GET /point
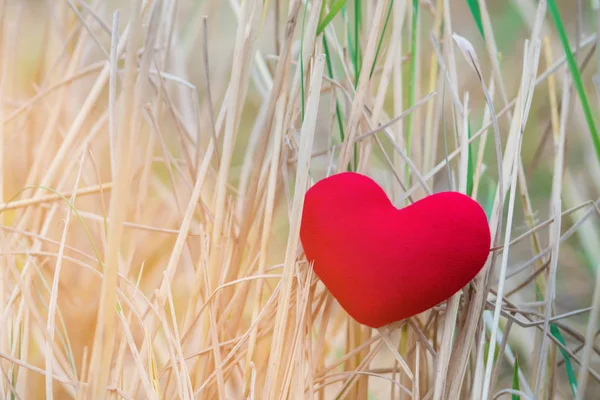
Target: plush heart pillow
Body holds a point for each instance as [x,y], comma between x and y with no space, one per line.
[384,264]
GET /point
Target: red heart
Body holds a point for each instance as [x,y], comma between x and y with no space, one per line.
[384,264]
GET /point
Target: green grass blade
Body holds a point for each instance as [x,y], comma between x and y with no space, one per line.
[344,12]
[357,58]
[474,7]
[568,366]
[576,75]
[411,82]
[470,166]
[515,382]
[336,6]
[338,112]
[488,202]
[387,19]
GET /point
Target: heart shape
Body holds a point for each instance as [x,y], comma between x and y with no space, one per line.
[384,264]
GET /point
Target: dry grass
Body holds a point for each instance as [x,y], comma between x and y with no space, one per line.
[153,162]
